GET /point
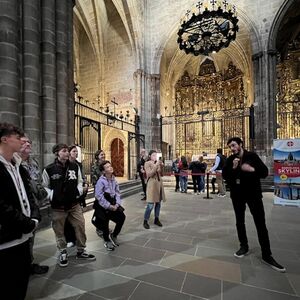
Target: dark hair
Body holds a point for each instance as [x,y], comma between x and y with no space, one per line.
[151,152]
[184,162]
[56,148]
[7,129]
[238,140]
[71,147]
[97,154]
[101,166]
[219,150]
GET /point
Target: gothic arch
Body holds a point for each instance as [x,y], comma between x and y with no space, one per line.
[243,16]
[280,16]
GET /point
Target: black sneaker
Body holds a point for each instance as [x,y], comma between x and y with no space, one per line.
[84,255]
[38,269]
[109,246]
[270,261]
[157,222]
[146,225]
[114,240]
[241,252]
[63,258]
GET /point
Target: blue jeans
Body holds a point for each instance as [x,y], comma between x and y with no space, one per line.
[183,183]
[149,209]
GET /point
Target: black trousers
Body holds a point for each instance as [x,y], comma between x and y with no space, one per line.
[256,207]
[177,181]
[15,271]
[102,221]
[143,182]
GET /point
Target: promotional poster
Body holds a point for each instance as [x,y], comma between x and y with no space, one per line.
[286,155]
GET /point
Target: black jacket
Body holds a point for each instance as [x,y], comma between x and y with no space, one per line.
[245,184]
[63,180]
[13,223]
[198,167]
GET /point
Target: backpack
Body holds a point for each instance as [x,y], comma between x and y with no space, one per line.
[222,161]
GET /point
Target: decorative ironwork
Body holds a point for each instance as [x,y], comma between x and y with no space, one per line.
[208,28]
[208,110]
[288,94]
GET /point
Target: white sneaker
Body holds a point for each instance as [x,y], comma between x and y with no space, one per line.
[222,195]
[70,245]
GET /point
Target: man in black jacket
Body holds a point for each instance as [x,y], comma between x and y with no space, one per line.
[19,216]
[242,172]
[63,181]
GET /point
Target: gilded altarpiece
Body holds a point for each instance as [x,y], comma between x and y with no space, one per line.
[288,94]
[210,108]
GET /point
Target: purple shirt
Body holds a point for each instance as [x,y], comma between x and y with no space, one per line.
[105,185]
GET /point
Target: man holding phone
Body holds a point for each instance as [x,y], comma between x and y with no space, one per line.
[242,171]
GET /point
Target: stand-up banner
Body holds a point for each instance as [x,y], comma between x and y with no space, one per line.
[286,155]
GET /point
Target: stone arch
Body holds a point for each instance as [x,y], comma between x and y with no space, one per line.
[280,16]
[243,16]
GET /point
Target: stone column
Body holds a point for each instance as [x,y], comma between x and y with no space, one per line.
[265,103]
[62,71]
[9,84]
[156,128]
[259,108]
[70,72]
[32,122]
[48,79]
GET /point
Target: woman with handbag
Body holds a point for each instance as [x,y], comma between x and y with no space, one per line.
[155,190]
[108,206]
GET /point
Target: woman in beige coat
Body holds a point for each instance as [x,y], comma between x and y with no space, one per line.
[155,190]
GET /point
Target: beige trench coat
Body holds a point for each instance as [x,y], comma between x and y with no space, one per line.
[155,189]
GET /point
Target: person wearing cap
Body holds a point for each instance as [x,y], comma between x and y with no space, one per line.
[19,216]
[63,182]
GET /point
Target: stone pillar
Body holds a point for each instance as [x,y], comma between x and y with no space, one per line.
[265,103]
[9,78]
[260,102]
[156,127]
[70,73]
[48,79]
[62,71]
[32,122]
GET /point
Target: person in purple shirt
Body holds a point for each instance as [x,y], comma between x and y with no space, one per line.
[108,206]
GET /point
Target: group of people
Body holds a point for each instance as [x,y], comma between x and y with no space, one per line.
[198,168]
[63,184]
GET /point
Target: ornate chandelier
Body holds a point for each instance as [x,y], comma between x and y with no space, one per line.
[208,27]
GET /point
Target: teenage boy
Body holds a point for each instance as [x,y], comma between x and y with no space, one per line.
[19,215]
[63,181]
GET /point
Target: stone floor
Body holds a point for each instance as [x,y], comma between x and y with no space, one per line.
[190,257]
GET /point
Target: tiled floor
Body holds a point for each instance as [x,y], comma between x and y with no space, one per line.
[190,257]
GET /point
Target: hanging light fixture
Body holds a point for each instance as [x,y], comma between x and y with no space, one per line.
[208,27]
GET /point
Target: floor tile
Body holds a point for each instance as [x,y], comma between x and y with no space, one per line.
[237,292]
[149,292]
[202,286]
[152,274]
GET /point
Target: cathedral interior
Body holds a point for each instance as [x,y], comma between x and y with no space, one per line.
[109,74]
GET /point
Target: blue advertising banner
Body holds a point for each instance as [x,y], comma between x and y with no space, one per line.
[286,155]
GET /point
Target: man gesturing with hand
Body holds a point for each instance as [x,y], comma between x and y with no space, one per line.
[242,172]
